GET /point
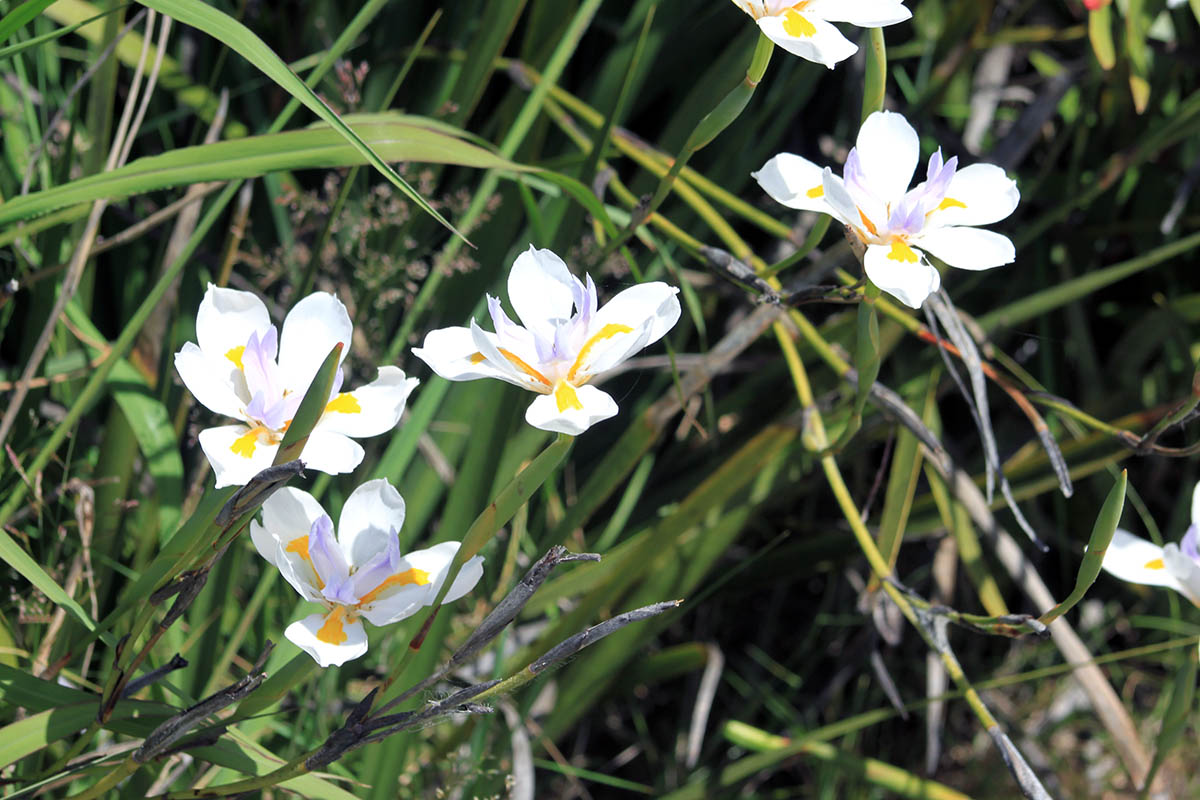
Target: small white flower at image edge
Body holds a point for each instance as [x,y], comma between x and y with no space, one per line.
[1175,566]
[803,28]
[564,341]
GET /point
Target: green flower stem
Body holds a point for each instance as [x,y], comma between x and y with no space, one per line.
[815,438]
[709,127]
[497,513]
[520,128]
[875,80]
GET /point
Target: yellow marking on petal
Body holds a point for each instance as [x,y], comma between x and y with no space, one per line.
[902,252]
[1155,563]
[867,222]
[333,631]
[477,358]
[796,24]
[235,355]
[344,403]
[950,202]
[244,445]
[299,546]
[528,370]
[410,577]
[815,192]
[566,397]
[607,332]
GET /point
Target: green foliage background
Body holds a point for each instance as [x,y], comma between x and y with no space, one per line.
[545,122]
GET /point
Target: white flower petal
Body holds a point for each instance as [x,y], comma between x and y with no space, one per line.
[864,13]
[1184,570]
[512,368]
[1136,560]
[591,406]
[967,248]
[396,604]
[298,570]
[436,561]
[288,514]
[888,149]
[226,319]
[978,195]
[372,409]
[838,197]
[540,289]
[235,456]
[371,516]
[635,318]
[310,330]
[807,36]
[1196,505]
[209,380]
[795,182]
[451,353]
[329,639]
[908,281]
[331,453]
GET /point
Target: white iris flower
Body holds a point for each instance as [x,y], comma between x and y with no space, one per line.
[1176,566]
[565,340]
[802,28]
[244,370]
[898,224]
[358,575]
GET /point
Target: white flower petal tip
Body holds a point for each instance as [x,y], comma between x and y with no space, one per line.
[329,638]
[900,225]
[357,574]
[243,369]
[566,340]
[794,182]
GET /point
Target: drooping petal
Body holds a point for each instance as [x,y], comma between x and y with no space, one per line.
[1184,570]
[1196,505]
[633,319]
[372,409]
[901,273]
[540,288]
[570,410]
[209,380]
[513,368]
[864,13]
[331,453]
[888,149]
[451,353]
[967,248]
[370,518]
[977,195]
[839,199]
[226,319]
[292,560]
[310,330]
[288,514]
[1132,558]
[795,182]
[808,36]
[236,453]
[331,639]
